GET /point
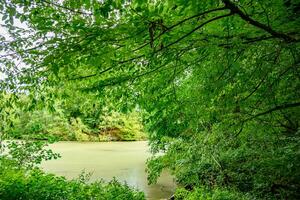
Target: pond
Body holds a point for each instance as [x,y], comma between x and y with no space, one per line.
[123,160]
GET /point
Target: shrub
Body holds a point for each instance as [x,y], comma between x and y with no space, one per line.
[209,194]
[36,185]
[265,165]
[27,154]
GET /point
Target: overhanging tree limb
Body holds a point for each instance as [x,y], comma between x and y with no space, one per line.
[195,29]
[159,50]
[66,8]
[276,108]
[236,10]
[179,23]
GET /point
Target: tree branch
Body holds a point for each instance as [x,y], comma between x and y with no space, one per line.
[167,46]
[256,88]
[66,8]
[195,29]
[276,108]
[236,10]
[179,23]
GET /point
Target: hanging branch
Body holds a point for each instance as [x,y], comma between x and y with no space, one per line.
[276,108]
[236,10]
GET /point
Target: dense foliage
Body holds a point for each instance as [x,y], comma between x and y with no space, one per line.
[210,194]
[18,184]
[43,125]
[217,81]
[71,121]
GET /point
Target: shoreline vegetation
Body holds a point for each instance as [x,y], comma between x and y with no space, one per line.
[42,125]
[19,183]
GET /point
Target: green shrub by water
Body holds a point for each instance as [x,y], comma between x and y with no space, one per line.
[17,184]
[209,194]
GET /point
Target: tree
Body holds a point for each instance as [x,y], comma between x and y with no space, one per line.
[219,79]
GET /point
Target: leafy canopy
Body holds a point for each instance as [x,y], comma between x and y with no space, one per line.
[218,79]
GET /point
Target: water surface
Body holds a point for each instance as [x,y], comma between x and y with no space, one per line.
[123,160]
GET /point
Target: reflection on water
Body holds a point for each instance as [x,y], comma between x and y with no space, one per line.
[123,160]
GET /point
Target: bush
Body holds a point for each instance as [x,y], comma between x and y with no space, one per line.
[265,165]
[208,194]
[27,154]
[36,185]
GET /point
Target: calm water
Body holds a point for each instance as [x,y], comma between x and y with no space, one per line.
[123,160]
